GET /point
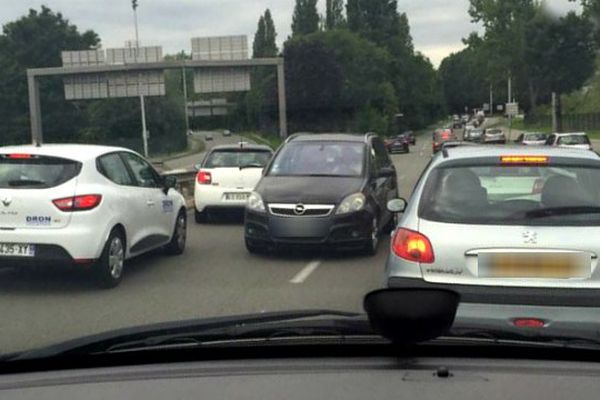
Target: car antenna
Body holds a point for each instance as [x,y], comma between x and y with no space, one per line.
[445,152]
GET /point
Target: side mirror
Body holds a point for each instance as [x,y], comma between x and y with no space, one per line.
[170,182]
[197,167]
[407,316]
[386,172]
[397,205]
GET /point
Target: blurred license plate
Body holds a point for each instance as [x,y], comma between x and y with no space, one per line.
[535,265]
[237,196]
[17,250]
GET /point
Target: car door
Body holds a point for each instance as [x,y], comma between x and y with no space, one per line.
[385,188]
[158,207]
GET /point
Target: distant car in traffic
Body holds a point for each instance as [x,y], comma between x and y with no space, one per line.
[494,136]
[412,139]
[502,224]
[208,137]
[227,176]
[473,135]
[532,139]
[440,136]
[398,144]
[578,140]
[226,133]
[326,190]
[90,206]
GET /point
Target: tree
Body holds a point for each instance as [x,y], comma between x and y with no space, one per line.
[306,18]
[259,39]
[265,38]
[35,41]
[376,20]
[334,16]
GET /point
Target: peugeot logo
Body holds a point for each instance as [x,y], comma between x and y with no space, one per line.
[6,201]
[529,237]
[299,209]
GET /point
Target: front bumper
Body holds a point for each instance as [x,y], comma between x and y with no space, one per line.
[343,231]
[534,296]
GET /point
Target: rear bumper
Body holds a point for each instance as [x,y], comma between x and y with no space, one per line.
[557,297]
[45,255]
[208,197]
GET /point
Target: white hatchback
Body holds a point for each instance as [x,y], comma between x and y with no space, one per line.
[92,206]
[227,176]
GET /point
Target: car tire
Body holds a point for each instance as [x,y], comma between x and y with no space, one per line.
[177,244]
[372,244]
[253,248]
[109,268]
[201,217]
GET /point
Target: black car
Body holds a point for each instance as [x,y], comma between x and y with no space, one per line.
[326,190]
[398,144]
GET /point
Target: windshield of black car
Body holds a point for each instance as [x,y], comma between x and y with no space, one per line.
[315,158]
[234,158]
[573,140]
[512,195]
[35,172]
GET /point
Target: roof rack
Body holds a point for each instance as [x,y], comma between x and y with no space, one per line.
[452,144]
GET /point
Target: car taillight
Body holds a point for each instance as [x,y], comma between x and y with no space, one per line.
[413,246]
[529,323]
[524,160]
[78,203]
[204,178]
[19,156]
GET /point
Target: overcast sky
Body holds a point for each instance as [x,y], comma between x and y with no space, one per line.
[437,26]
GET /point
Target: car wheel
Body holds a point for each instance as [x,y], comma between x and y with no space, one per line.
[373,242]
[253,248]
[109,268]
[177,244]
[201,217]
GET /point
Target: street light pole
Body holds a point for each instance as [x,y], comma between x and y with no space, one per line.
[134,5]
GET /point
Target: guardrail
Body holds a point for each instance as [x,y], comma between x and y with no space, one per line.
[185,183]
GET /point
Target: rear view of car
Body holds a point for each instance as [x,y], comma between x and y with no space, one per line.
[227,176]
[473,135]
[440,136]
[398,144]
[494,136]
[578,140]
[523,220]
[532,139]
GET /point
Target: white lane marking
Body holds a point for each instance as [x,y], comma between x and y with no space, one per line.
[305,273]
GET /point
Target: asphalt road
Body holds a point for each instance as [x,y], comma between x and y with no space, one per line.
[214,277]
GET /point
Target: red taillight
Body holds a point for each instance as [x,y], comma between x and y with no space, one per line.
[204,178]
[19,156]
[529,323]
[78,203]
[524,160]
[445,136]
[413,246]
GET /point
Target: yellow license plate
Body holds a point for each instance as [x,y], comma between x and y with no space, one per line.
[536,265]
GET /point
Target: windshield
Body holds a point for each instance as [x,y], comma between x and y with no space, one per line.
[237,158]
[172,160]
[319,159]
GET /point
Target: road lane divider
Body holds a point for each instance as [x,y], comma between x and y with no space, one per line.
[305,273]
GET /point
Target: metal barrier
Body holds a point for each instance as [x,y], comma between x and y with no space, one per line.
[185,183]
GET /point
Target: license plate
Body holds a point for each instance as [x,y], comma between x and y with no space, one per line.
[535,265]
[237,196]
[17,250]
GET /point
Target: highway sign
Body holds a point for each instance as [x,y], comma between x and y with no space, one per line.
[222,80]
[512,109]
[220,48]
[486,107]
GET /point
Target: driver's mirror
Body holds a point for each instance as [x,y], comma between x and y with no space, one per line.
[197,167]
[169,182]
[397,205]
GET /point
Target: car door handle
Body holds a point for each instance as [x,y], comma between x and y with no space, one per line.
[150,203]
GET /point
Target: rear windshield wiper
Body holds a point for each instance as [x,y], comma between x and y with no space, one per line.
[255,165]
[557,211]
[25,182]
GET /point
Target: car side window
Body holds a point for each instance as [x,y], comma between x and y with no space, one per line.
[550,140]
[520,138]
[143,172]
[113,168]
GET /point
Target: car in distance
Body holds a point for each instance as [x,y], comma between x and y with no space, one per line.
[411,137]
[91,206]
[226,133]
[208,137]
[578,140]
[532,139]
[493,136]
[326,190]
[497,223]
[440,136]
[398,144]
[226,177]
[473,135]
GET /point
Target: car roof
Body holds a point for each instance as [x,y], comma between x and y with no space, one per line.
[333,137]
[246,146]
[571,134]
[78,152]
[480,151]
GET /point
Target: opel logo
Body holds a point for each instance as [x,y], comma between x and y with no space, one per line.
[6,201]
[529,237]
[299,209]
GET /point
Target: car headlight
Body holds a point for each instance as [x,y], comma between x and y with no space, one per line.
[352,203]
[255,202]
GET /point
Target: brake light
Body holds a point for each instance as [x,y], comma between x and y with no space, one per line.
[445,135]
[204,178]
[19,156]
[529,323]
[413,246]
[78,203]
[524,159]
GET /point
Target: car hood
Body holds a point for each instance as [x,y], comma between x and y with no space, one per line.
[307,190]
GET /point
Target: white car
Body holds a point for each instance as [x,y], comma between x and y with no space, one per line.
[227,176]
[577,140]
[92,206]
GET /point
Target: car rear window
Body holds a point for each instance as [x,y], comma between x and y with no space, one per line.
[513,195]
[535,136]
[493,131]
[235,158]
[573,140]
[23,171]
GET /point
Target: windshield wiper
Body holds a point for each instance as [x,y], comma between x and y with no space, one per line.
[198,332]
[557,211]
[255,165]
[25,182]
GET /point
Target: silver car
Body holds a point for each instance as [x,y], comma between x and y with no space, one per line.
[503,224]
